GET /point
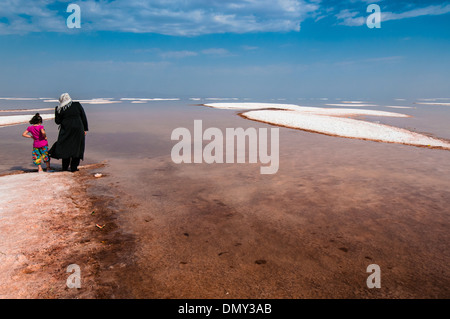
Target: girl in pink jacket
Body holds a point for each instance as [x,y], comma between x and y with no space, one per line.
[40,144]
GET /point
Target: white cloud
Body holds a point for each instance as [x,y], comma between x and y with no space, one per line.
[427,11]
[170,17]
[353,18]
[384,59]
[178,54]
[196,17]
[20,16]
[217,52]
[350,18]
[249,47]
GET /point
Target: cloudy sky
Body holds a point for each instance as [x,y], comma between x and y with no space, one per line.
[237,48]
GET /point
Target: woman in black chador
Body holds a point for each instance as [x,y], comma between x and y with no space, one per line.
[73,125]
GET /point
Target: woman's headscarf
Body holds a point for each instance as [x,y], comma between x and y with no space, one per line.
[64,102]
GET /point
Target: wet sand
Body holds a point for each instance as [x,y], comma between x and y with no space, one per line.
[48,222]
[335,206]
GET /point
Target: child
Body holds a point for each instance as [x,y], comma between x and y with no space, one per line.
[40,145]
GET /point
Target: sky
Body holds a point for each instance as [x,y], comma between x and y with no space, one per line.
[217,48]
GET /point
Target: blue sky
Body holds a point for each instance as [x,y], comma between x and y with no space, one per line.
[217,48]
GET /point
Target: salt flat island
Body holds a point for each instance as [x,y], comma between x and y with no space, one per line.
[28,110]
[21,119]
[333,121]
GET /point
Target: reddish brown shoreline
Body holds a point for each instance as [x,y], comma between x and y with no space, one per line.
[103,254]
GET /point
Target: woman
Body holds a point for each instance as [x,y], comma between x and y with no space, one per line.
[73,125]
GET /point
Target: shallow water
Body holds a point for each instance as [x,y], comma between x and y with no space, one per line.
[335,206]
[134,130]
